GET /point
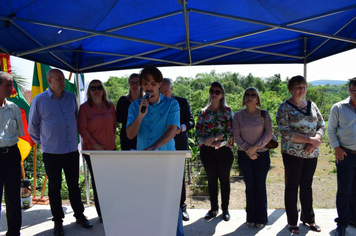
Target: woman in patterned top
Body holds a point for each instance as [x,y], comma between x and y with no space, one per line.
[214,138]
[302,127]
[252,129]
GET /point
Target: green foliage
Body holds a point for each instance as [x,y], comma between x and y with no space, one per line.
[28,164]
[64,188]
[116,87]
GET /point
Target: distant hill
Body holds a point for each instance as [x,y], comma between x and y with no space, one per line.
[325,82]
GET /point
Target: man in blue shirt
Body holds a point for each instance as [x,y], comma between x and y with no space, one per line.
[156,126]
[53,125]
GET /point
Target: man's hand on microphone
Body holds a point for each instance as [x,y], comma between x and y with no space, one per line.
[144,102]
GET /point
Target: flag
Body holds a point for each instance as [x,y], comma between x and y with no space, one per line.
[39,79]
[25,142]
[40,84]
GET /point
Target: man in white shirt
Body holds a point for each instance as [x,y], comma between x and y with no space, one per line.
[342,133]
[10,169]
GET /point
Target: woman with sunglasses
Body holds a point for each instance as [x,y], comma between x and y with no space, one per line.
[122,107]
[97,126]
[214,138]
[301,126]
[252,131]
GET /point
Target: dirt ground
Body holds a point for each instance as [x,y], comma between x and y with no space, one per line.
[324,185]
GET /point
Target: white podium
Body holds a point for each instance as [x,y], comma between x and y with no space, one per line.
[139,191]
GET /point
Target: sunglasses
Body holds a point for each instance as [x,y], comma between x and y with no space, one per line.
[99,88]
[217,92]
[248,95]
[134,83]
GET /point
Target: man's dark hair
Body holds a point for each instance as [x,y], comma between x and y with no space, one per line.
[352,82]
[151,70]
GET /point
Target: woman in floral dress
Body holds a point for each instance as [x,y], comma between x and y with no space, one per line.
[302,127]
[214,138]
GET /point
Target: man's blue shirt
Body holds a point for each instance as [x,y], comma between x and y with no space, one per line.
[159,115]
[52,122]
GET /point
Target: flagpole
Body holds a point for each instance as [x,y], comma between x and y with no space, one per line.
[86,177]
[23,171]
[34,169]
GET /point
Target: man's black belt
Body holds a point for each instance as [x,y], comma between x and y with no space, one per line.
[7,149]
[348,150]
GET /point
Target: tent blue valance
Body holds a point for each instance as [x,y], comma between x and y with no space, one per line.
[87,36]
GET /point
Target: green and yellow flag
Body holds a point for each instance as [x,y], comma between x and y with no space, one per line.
[40,84]
[39,79]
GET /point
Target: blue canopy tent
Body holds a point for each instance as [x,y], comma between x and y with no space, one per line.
[86,36]
[90,36]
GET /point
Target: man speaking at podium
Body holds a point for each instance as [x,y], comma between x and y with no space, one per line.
[154,119]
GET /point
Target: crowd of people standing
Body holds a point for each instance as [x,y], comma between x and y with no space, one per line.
[54,124]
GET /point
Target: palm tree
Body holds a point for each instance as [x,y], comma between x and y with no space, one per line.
[22,83]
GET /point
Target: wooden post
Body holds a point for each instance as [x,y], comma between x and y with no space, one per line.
[38,200]
[34,169]
[23,171]
[44,186]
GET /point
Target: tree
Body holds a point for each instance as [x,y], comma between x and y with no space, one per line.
[116,87]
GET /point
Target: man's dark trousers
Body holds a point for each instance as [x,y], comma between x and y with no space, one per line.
[10,174]
[346,192]
[69,162]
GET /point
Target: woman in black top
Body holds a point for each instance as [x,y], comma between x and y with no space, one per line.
[135,92]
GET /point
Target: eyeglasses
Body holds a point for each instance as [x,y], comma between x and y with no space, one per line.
[352,91]
[217,92]
[301,87]
[134,83]
[252,95]
[99,88]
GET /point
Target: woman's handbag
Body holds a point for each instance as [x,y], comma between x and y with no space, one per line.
[273,143]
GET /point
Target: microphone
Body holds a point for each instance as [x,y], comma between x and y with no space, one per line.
[147,96]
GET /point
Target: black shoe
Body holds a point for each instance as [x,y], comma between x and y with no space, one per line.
[340,231]
[211,214]
[84,222]
[185,216]
[353,223]
[58,228]
[100,219]
[226,215]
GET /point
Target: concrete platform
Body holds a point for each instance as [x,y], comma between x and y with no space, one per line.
[37,222]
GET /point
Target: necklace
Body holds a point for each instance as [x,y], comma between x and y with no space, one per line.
[252,116]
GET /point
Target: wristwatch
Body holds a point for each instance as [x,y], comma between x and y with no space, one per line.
[216,138]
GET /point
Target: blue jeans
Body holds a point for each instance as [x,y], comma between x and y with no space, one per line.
[255,174]
[346,190]
[180,230]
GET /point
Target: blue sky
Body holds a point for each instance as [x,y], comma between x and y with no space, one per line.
[338,67]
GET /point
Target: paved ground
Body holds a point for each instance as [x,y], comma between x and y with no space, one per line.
[37,222]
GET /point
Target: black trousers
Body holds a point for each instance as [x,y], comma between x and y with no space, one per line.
[96,199]
[217,164]
[183,206]
[299,173]
[69,162]
[10,175]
